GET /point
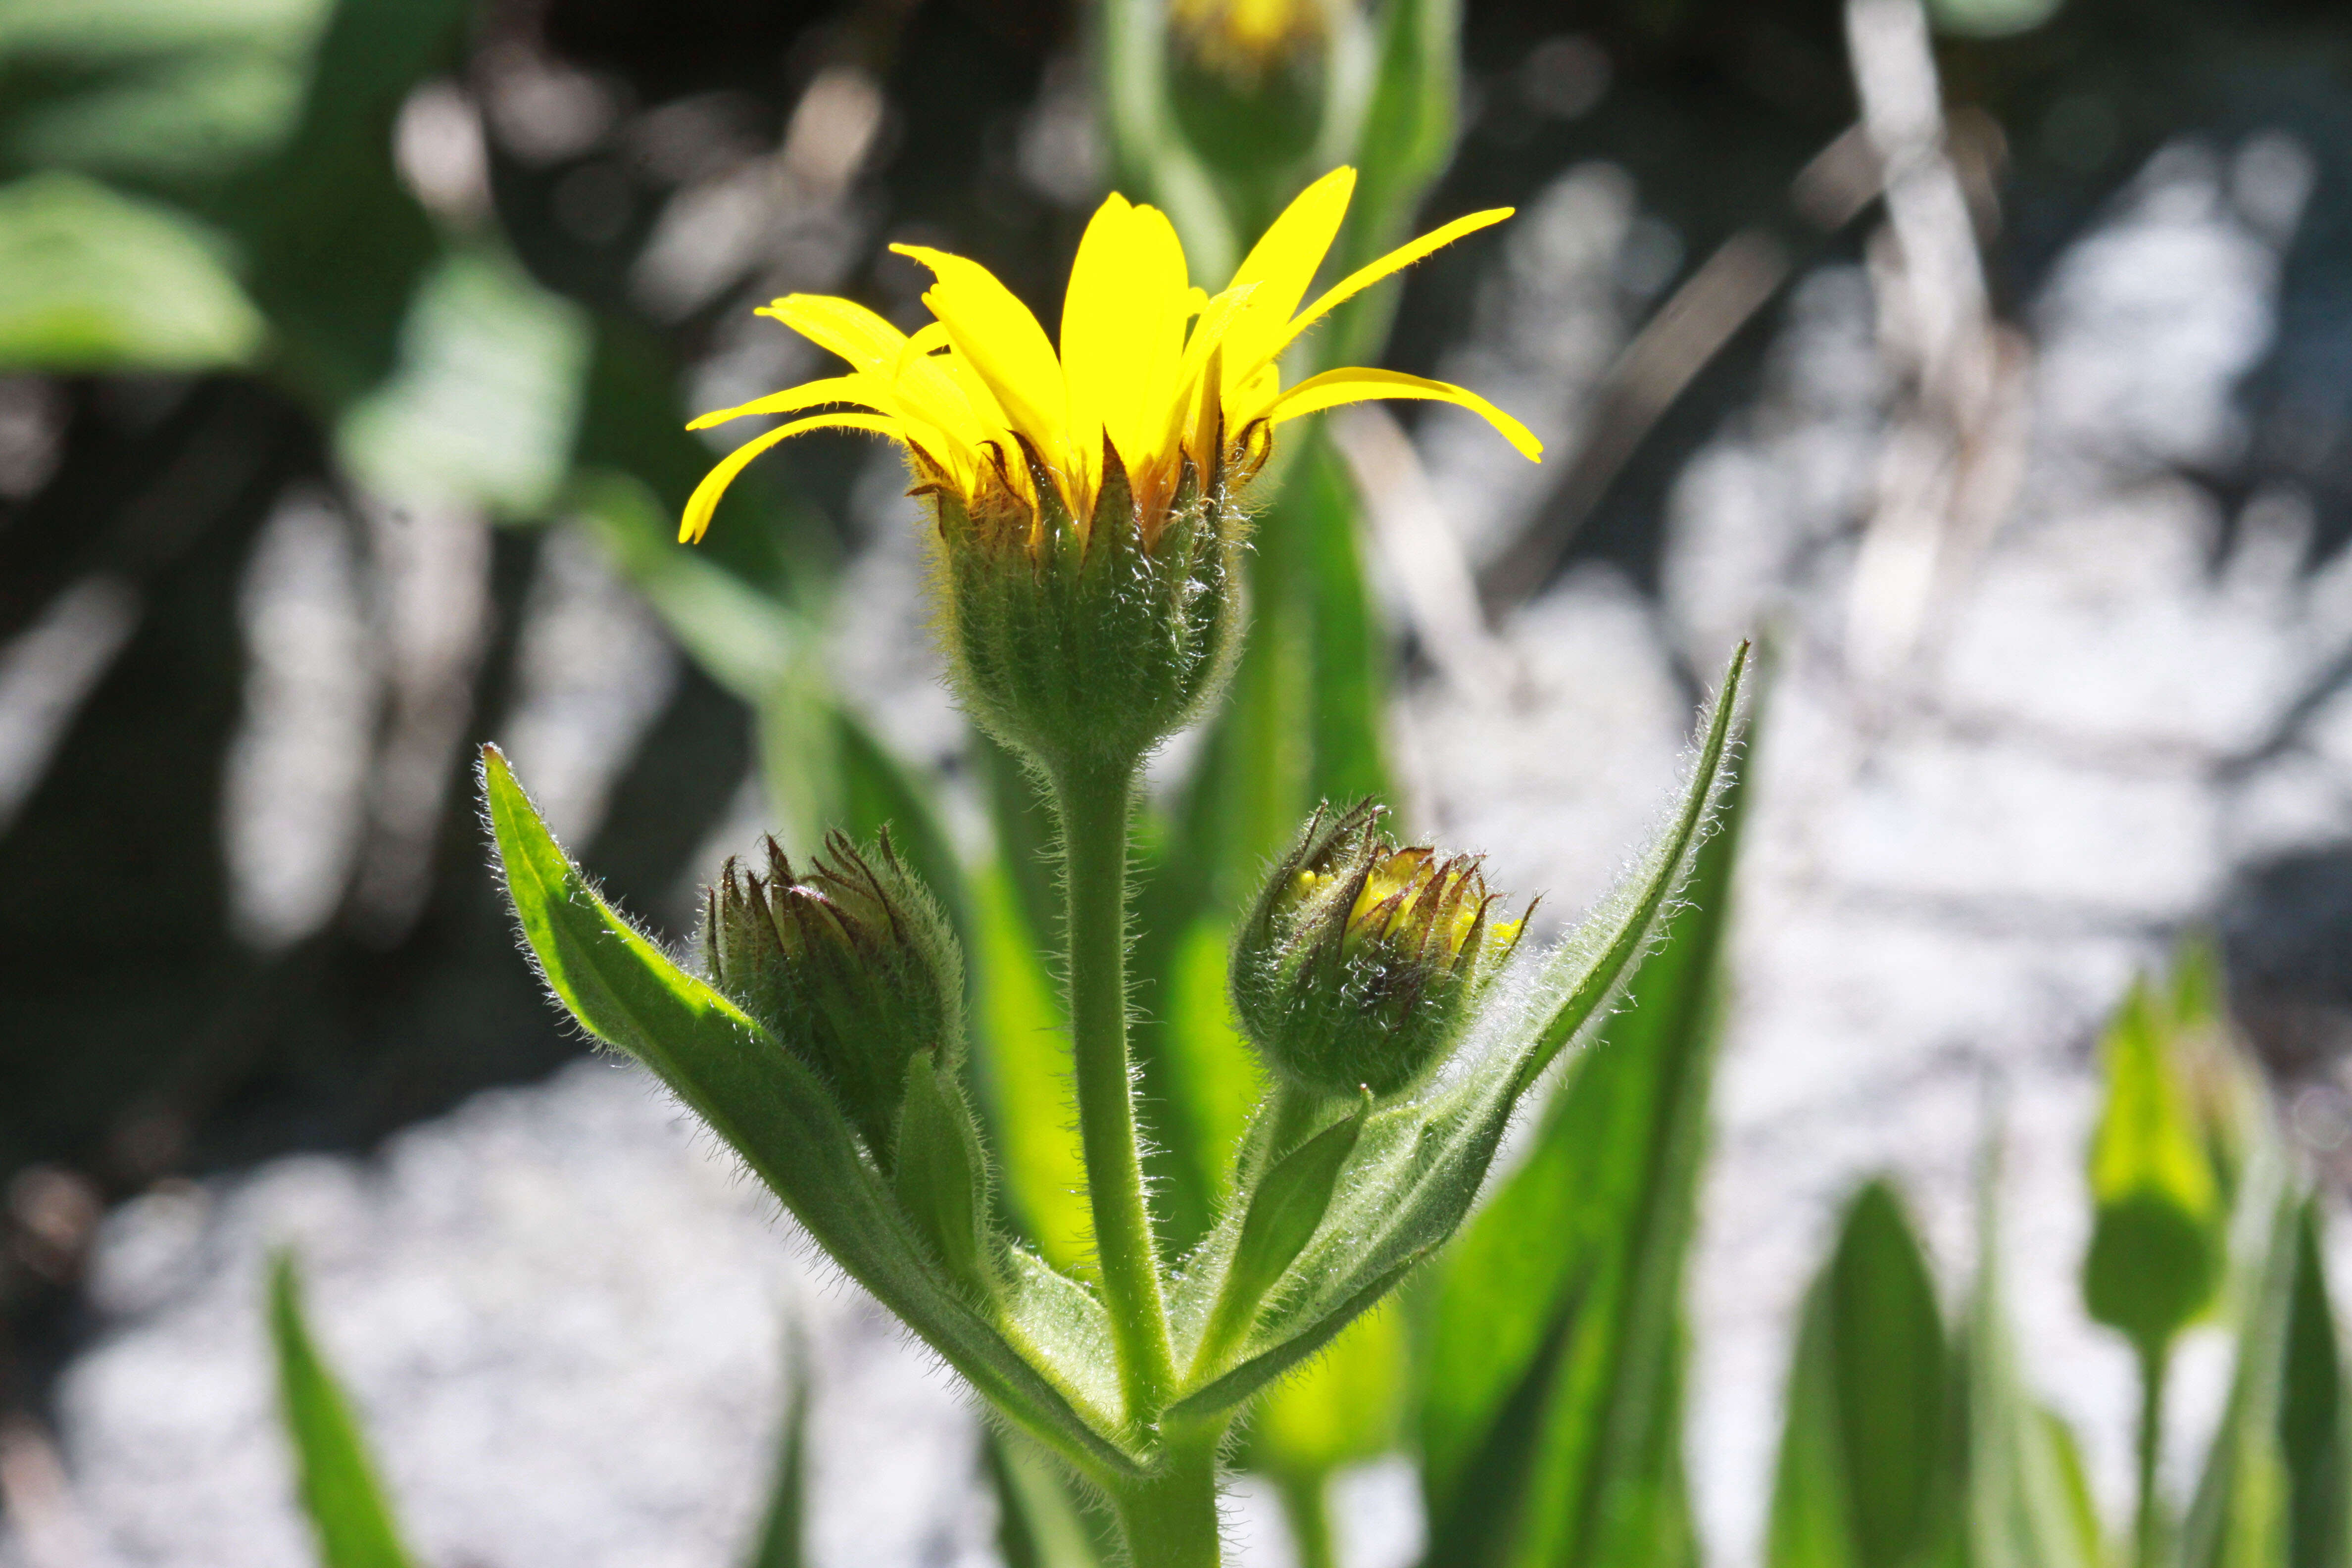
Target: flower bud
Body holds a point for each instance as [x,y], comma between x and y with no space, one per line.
[851,966]
[1091,640]
[1362,960]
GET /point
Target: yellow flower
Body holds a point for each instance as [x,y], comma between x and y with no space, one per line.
[1153,374]
[1243,37]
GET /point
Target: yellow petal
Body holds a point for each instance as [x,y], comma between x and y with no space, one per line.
[996,334]
[1164,303]
[1284,262]
[1123,332]
[920,391]
[1096,316]
[859,388]
[705,499]
[1334,387]
[1363,277]
[1208,338]
[844,326]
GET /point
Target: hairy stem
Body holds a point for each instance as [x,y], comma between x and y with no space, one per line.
[1170,1520]
[1093,807]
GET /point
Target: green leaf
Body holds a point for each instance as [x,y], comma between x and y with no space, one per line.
[2313,1411]
[2275,1488]
[1021,1058]
[482,407]
[1282,1216]
[155,91]
[773,1112]
[1419,1162]
[94,280]
[337,245]
[2155,1254]
[336,1478]
[941,1179]
[1867,1457]
[1212,1074]
[1549,1430]
[2029,1505]
[1040,1521]
[784,1519]
[1408,139]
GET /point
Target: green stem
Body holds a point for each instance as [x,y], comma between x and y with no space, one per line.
[1305,1504]
[1094,805]
[2148,1537]
[1170,1520]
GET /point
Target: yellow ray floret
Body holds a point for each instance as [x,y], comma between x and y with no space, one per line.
[1163,374]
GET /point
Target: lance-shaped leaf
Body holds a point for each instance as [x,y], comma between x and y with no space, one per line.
[339,1487]
[1283,1213]
[1868,1457]
[941,1181]
[1551,1429]
[1418,1163]
[774,1112]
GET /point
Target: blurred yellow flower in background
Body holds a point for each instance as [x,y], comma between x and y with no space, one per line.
[1154,374]
[1241,38]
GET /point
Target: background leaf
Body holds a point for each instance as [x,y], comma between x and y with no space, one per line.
[2028,1503]
[1868,1457]
[92,279]
[784,1519]
[335,1477]
[2274,1485]
[1041,1520]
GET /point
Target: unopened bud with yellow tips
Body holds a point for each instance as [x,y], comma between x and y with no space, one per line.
[851,964]
[1363,960]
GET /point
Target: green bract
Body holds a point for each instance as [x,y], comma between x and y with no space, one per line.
[1084,645]
[851,966]
[1362,961]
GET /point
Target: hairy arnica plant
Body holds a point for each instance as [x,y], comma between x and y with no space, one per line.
[1089,511]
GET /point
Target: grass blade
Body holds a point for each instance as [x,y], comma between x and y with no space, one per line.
[779,1542]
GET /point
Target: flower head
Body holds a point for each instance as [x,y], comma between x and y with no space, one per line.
[850,964]
[1241,39]
[1154,378]
[1362,960]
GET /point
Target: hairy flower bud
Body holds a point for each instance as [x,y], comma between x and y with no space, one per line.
[851,966]
[1362,960]
[1092,640]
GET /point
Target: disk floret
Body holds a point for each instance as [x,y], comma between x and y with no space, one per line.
[1363,960]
